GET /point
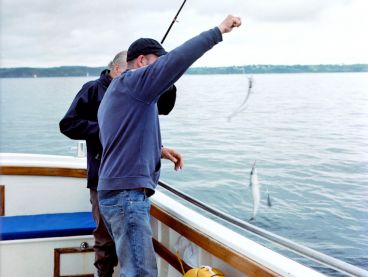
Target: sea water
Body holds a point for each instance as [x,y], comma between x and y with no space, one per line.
[307,132]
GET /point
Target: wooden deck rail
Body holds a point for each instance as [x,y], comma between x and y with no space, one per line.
[226,254]
[69,250]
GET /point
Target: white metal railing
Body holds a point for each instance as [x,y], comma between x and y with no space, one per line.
[81,149]
[319,257]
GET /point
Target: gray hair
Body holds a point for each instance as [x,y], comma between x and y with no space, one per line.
[119,59]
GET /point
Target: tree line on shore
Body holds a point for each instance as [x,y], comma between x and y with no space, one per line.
[77,71]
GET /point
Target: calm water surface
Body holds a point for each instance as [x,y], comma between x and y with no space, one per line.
[308,133]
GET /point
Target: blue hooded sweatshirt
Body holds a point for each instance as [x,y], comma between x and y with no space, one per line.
[128,118]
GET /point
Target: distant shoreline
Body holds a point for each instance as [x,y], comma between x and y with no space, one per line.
[79,71]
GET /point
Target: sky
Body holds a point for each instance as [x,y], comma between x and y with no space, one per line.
[44,33]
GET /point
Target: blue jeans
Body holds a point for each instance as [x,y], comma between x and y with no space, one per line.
[127,217]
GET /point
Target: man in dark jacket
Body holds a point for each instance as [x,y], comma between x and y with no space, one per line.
[80,123]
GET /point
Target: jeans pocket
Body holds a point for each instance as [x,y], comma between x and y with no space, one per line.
[141,207]
[112,213]
[110,204]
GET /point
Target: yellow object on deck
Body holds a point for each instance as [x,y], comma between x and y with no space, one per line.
[204,271]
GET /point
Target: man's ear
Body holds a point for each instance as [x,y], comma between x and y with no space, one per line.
[116,68]
[141,60]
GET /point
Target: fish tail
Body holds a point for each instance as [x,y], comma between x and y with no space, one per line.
[269,203]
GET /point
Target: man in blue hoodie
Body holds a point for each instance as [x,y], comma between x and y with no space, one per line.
[80,122]
[131,140]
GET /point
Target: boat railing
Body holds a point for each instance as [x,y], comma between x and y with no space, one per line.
[317,256]
[78,170]
[81,149]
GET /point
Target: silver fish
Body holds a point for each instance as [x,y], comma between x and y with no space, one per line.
[255,187]
[243,105]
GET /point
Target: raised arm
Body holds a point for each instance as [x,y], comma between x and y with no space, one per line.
[166,70]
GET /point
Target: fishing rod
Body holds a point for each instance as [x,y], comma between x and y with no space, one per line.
[173,21]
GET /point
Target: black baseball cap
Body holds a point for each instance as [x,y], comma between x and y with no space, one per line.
[144,46]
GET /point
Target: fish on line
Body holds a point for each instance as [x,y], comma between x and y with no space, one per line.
[243,105]
[256,191]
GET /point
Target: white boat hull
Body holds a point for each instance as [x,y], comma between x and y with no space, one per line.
[30,190]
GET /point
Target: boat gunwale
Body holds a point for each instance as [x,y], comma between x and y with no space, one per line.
[214,247]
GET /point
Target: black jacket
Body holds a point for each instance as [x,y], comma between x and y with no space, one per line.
[80,121]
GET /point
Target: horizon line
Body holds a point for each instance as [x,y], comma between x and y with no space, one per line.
[326,64]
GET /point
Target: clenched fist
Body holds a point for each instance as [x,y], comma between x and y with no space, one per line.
[229,23]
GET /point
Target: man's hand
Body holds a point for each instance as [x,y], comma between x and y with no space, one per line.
[229,23]
[174,156]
